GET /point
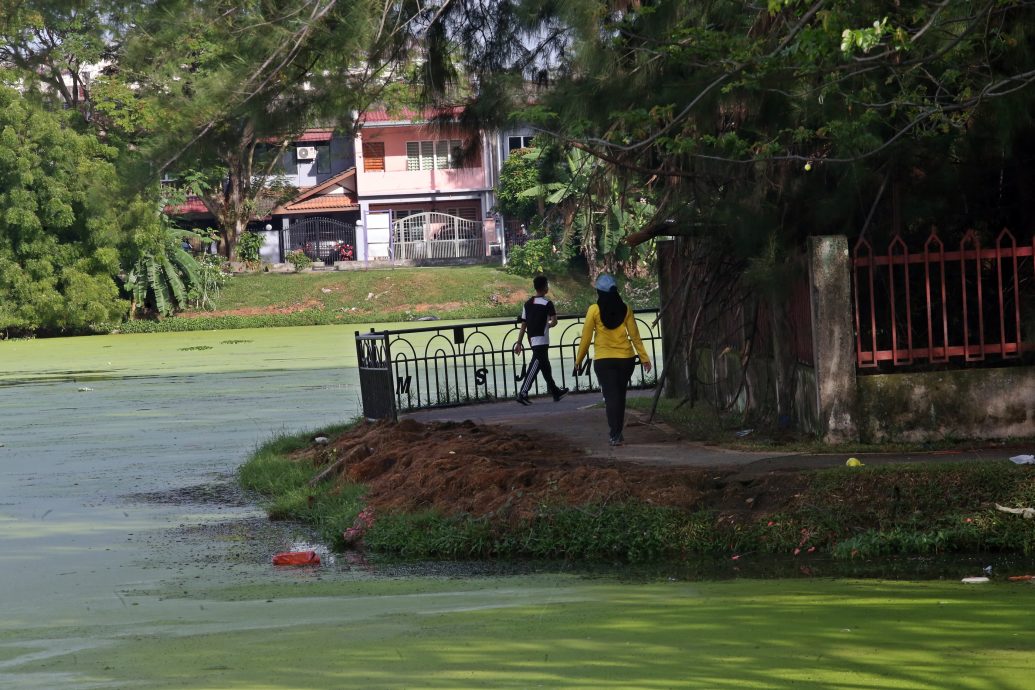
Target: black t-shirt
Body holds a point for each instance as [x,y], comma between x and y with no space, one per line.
[536,314]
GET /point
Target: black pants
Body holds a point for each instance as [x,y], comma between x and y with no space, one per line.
[614,375]
[540,362]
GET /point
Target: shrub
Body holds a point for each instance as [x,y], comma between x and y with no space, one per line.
[249,247]
[537,256]
[299,260]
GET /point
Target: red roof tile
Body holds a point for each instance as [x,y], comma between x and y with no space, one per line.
[308,136]
[374,117]
[192,205]
[332,202]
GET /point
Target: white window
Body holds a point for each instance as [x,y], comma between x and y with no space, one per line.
[522,142]
[433,155]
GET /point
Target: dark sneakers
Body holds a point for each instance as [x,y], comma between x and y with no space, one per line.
[618,440]
[560,394]
[523,399]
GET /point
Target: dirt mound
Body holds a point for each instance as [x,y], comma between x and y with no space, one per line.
[495,470]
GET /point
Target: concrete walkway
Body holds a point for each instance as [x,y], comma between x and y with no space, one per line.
[579,418]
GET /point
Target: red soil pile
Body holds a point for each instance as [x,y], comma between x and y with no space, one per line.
[494,470]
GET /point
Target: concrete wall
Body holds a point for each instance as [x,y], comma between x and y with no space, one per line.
[973,403]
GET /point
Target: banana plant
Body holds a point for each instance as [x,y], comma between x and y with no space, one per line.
[166,277]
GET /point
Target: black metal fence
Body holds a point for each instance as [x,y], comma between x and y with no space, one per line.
[323,239]
[449,365]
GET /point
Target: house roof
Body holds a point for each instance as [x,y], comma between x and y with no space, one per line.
[325,204]
[318,199]
[192,206]
[317,134]
[374,118]
[340,180]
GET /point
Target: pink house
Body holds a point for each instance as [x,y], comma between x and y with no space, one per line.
[424,191]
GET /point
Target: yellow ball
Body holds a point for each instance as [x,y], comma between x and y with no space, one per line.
[808,166]
[853,462]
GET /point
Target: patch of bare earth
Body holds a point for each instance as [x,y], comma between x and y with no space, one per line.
[485,470]
[424,306]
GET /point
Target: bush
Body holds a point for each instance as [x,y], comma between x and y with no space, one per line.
[299,260]
[249,247]
[537,256]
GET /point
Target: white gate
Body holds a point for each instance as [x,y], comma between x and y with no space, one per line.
[433,235]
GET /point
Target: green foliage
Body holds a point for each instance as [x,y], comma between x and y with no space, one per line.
[284,486]
[165,277]
[780,120]
[536,256]
[58,223]
[236,86]
[299,260]
[249,246]
[520,172]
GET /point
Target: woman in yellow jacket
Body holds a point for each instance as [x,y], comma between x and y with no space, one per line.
[611,327]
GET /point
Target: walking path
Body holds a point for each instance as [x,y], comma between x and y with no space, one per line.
[579,418]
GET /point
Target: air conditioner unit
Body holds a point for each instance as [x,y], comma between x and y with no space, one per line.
[305,153]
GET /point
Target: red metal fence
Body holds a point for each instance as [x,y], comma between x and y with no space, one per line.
[939,306]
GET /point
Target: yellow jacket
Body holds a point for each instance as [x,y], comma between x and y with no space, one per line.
[610,343]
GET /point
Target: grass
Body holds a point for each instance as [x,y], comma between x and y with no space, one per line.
[403,293]
[264,300]
[703,423]
[287,495]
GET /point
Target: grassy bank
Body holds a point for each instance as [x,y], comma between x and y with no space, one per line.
[704,423]
[260,300]
[848,514]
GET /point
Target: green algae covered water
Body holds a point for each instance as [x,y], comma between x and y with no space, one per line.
[128,559]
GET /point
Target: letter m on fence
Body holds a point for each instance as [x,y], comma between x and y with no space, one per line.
[402,385]
[584,369]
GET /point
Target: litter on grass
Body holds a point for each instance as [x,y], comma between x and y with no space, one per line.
[974,580]
[1026,513]
[1023,459]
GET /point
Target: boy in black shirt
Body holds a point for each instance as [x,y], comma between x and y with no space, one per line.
[538,316]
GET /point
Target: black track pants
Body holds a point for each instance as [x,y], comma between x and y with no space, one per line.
[614,375]
[540,362]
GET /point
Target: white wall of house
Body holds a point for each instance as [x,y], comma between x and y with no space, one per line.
[270,251]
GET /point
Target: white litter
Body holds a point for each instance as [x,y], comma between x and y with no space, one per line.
[321,440]
[1026,513]
[1023,459]
[974,580]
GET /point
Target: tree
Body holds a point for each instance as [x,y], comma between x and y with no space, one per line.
[164,276]
[240,79]
[58,233]
[59,48]
[519,172]
[592,208]
[755,126]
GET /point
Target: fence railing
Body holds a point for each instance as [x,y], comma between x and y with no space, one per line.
[442,366]
[939,305]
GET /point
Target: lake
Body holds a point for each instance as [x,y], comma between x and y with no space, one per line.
[129,559]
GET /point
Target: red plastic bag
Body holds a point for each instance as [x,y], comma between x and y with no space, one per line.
[297,558]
